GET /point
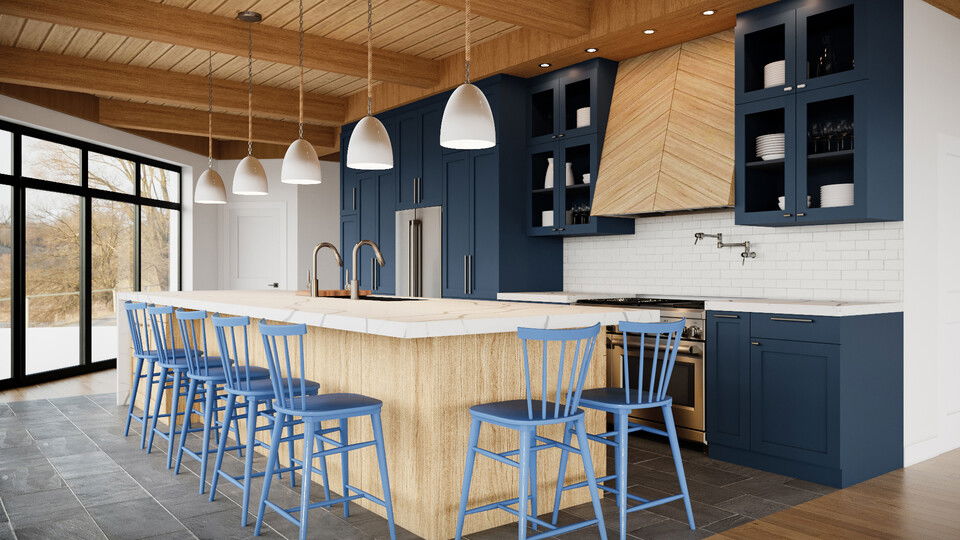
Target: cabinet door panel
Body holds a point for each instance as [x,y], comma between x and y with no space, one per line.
[832,43]
[483,273]
[386,239]
[349,236]
[457,224]
[728,379]
[760,40]
[431,176]
[408,145]
[794,400]
[760,182]
[349,195]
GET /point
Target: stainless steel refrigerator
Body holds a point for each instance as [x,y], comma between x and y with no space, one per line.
[418,252]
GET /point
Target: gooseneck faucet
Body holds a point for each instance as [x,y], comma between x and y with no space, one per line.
[355,282]
[314,284]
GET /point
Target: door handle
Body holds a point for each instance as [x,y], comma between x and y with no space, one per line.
[790,319]
[755,343]
[354,198]
[801,85]
[465,277]
[274,284]
[787,88]
[374,274]
[788,215]
[722,316]
[470,273]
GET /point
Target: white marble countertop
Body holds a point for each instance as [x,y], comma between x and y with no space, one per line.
[432,317]
[826,308]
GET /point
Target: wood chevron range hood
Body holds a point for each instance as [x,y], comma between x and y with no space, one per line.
[669,141]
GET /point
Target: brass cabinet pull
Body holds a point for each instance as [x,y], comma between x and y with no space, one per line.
[755,343]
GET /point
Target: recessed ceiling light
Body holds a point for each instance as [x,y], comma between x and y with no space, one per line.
[591,50]
[709,12]
[545,65]
[649,31]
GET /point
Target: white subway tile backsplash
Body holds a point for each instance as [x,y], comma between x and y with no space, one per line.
[855,262]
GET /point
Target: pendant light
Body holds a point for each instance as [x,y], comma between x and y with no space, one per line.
[301,164]
[369,148]
[249,178]
[210,188]
[467,122]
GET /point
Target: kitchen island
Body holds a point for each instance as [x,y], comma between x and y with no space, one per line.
[428,360]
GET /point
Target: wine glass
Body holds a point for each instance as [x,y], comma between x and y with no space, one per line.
[816,135]
[831,131]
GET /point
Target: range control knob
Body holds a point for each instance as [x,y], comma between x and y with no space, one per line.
[694,332]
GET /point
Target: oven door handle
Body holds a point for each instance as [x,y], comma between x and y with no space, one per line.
[687,350]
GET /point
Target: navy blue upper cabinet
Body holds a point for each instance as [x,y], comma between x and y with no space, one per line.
[818,398]
[418,158]
[839,106]
[567,117]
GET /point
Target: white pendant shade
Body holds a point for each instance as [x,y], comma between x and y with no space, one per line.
[250,178]
[467,120]
[369,148]
[210,189]
[300,164]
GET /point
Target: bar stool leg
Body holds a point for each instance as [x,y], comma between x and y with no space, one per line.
[677,462]
[146,408]
[524,497]
[468,474]
[305,480]
[344,465]
[221,445]
[591,479]
[621,469]
[187,413]
[384,476]
[174,412]
[533,477]
[271,465]
[208,420]
[293,476]
[156,408]
[323,464]
[564,454]
[133,395]
[252,405]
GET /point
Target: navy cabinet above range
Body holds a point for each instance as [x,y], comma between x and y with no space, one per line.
[819,118]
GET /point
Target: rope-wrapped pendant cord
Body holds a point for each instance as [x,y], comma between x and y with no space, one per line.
[369,57]
[210,109]
[300,126]
[250,91]
[466,39]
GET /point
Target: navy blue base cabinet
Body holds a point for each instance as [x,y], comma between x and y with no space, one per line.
[817,398]
[839,106]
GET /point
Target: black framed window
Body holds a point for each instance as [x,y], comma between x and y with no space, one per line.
[79,223]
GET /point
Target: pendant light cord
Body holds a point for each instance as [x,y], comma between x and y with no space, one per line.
[250,90]
[210,109]
[369,57]
[466,39]
[300,126]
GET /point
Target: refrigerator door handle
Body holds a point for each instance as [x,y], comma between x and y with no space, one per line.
[410,262]
[415,257]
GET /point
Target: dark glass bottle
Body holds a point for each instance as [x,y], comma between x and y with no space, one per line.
[826,60]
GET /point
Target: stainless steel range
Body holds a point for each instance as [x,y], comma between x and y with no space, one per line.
[687,384]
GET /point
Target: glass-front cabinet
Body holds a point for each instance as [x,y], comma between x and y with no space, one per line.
[819,128]
[561,188]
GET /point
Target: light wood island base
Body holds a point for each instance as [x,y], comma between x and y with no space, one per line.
[427,386]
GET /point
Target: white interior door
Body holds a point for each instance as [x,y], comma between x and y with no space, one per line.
[255,246]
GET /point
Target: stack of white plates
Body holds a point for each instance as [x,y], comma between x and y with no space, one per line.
[775,74]
[836,195]
[583,117]
[770,146]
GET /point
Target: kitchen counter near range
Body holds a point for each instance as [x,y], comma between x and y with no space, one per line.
[823,308]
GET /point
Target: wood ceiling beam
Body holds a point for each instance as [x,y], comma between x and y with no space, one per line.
[570,18]
[190,28]
[950,6]
[48,70]
[616,30]
[142,116]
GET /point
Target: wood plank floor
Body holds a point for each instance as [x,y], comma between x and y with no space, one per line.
[100,382]
[920,501]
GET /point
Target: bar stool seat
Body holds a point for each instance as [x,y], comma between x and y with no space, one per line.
[515,412]
[218,376]
[264,387]
[619,398]
[325,404]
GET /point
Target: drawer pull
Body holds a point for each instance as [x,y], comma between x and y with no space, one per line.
[755,343]
[722,316]
[789,319]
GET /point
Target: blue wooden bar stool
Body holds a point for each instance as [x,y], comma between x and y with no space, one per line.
[525,416]
[146,357]
[661,341]
[292,403]
[206,377]
[248,388]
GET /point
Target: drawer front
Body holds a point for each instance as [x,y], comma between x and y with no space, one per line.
[796,327]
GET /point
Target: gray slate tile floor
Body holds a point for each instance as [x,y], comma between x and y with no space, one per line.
[66,471]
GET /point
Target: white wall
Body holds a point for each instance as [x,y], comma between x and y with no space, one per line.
[199,222]
[931,225]
[312,216]
[836,262]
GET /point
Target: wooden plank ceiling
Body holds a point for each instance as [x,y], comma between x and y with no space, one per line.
[418,51]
